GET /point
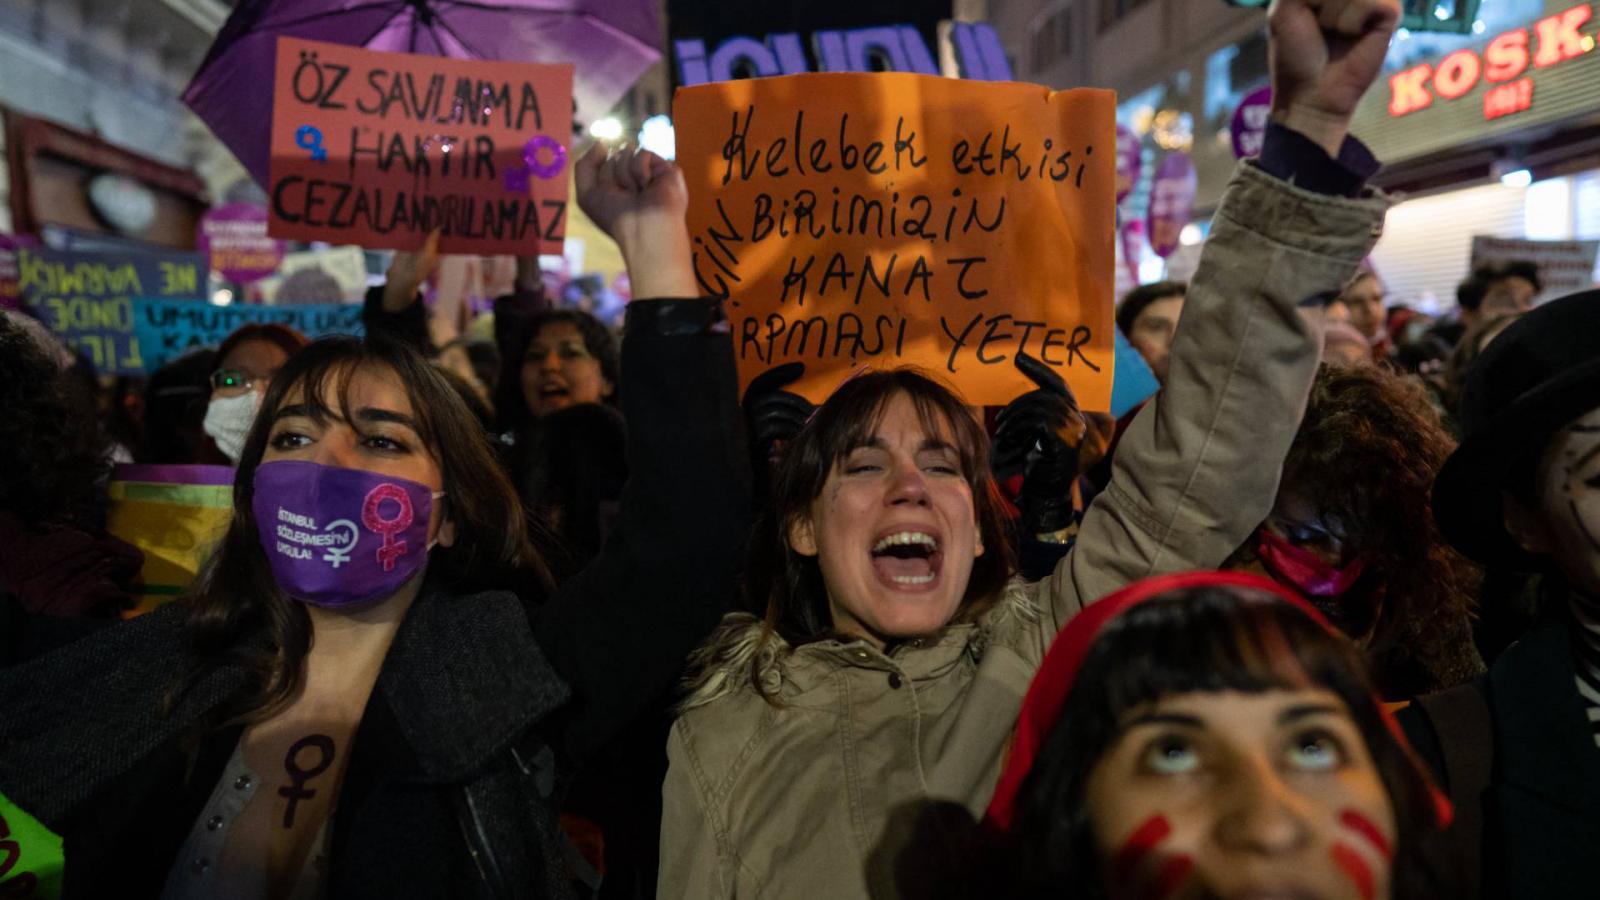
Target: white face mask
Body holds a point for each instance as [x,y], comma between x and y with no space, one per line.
[228,421]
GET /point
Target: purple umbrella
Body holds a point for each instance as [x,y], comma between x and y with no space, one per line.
[610,43]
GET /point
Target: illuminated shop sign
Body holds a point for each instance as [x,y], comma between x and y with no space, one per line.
[894,48]
[1504,64]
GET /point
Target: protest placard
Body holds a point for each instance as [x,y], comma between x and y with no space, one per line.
[86,297]
[1565,267]
[169,328]
[10,294]
[334,275]
[1249,126]
[1172,198]
[894,219]
[379,149]
[1135,382]
[234,237]
[35,861]
[1130,161]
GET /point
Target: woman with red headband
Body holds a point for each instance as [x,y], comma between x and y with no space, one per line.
[1210,735]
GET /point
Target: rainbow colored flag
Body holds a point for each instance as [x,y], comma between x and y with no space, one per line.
[175,515]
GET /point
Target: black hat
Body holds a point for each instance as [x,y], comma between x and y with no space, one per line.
[1542,372]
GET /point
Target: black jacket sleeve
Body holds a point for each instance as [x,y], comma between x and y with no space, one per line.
[409,326]
[619,631]
[512,314]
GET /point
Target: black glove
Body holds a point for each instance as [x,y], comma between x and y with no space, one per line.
[773,417]
[1037,436]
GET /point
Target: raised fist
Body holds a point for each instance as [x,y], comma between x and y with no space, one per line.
[1324,56]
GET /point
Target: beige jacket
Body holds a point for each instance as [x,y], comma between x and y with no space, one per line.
[796,802]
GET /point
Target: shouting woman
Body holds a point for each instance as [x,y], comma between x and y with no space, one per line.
[892,657]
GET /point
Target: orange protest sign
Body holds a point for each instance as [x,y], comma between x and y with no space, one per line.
[896,219]
[379,149]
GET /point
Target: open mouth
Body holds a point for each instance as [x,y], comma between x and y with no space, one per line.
[907,559]
[553,393]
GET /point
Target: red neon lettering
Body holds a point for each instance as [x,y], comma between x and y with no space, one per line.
[1507,99]
[1559,39]
[1457,74]
[1507,56]
[1408,91]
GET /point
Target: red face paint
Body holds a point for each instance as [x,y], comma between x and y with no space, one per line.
[1356,868]
[1174,872]
[1138,847]
[1368,829]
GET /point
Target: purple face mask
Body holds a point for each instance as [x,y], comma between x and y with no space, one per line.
[340,537]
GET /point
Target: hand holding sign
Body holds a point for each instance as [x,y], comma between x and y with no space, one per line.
[1324,56]
[1046,417]
[408,272]
[773,415]
[1038,435]
[639,199]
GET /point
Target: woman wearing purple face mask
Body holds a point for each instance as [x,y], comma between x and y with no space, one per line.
[353,703]
[1352,531]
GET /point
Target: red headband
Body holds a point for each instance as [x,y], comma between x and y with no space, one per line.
[1053,682]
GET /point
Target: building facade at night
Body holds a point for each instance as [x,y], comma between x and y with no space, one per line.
[1452,115]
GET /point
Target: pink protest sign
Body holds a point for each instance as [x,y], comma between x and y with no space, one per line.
[1129,160]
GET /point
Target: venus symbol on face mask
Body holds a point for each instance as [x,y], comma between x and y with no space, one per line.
[372,517]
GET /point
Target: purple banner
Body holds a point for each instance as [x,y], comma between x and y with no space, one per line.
[1130,160]
[218,476]
[1171,202]
[235,237]
[10,291]
[1250,123]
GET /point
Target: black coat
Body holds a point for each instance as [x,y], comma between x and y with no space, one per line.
[1537,794]
[480,702]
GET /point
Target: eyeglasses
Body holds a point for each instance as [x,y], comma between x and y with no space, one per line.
[232,382]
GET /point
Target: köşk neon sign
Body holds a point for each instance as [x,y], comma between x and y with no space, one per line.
[1503,63]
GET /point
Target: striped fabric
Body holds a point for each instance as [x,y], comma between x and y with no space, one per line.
[1586,656]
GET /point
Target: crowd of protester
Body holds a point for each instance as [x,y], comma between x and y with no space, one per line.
[1319,619]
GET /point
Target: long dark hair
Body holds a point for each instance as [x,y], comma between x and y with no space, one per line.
[238,617]
[788,585]
[510,403]
[53,459]
[1204,639]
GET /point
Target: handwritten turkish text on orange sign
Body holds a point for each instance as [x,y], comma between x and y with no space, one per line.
[379,149]
[895,219]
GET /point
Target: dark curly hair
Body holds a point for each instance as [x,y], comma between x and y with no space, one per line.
[53,460]
[1365,458]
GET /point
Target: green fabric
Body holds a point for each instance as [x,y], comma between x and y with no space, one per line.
[29,852]
[203,495]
